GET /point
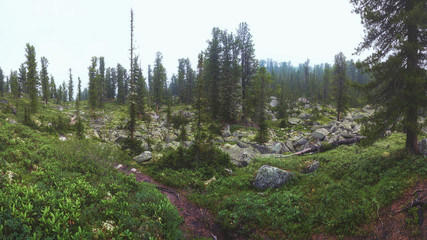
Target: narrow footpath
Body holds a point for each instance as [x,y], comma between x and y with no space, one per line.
[198,222]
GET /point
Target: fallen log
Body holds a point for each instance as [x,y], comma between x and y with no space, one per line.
[326,147]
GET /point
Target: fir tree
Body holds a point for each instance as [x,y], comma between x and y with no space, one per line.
[200,103]
[340,85]
[133,68]
[32,80]
[52,90]
[14,84]
[249,64]
[159,81]
[93,88]
[101,82]
[212,72]
[44,80]
[120,84]
[79,124]
[326,84]
[70,87]
[261,86]
[230,76]
[22,78]
[150,84]
[397,31]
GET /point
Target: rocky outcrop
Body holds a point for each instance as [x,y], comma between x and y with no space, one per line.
[271,177]
[143,157]
[241,157]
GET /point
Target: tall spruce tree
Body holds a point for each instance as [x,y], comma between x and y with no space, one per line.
[249,64]
[93,88]
[141,89]
[200,103]
[180,81]
[32,80]
[44,80]
[230,95]
[14,84]
[213,72]
[150,84]
[22,78]
[120,84]
[70,87]
[261,86]
[79,124]
[190,76]
[101,82]
[132,97]
[340,85]
[1,83]
[326,84]
[52,89]
[397,31]
[159,81]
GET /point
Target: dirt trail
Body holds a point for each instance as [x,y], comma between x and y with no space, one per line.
[198,222]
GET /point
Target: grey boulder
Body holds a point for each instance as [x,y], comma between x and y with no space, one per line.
[143,157]
[271,177]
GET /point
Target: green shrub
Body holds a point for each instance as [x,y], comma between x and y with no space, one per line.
[206,159]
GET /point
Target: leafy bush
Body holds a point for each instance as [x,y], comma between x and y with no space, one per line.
[69,190]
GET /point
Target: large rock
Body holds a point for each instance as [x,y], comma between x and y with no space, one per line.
[143,157]
[320,134]
[303,100]
[271,177]
[294,121]
[300,142]
[239,156]
[422,147]
[304,116]
[274,102]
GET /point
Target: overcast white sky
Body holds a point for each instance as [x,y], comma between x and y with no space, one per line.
[69,33]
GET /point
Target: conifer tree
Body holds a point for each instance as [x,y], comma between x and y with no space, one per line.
[340,85]
[14,84]
[1,83]
[79,123]
[397,32]
[326,84]
[181,80]
[101,82]
[159,81]
[93,88]
[132,98]
[120,84]
[64,93]
[22,78]
[230,75]
[150,84]
[189,82]
[52,86]
[32,80]
[70,87]
[141,90]
[261,86]
[7,85]
[200,102]
[212,72]
[44,80]
[249,64]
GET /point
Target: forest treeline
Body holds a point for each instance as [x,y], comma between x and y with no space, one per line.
[234,86]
